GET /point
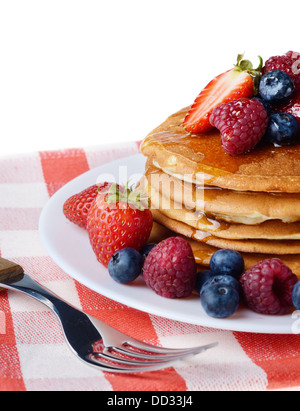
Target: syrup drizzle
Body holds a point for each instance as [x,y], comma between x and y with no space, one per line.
[212,161]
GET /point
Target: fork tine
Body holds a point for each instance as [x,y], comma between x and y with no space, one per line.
[152,357]
[170,356]
[110,362]
[134,369]
[155,349]
[115,338]
[118,359]
[165,351]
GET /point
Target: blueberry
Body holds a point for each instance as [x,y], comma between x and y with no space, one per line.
[227,262]
[146,250]
[276,87]
[296,296]
[265,104]
[283,129]
[202,278]
[220,300]
[126,265]
[223,280]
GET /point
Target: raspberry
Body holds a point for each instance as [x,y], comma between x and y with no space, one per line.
[268,287]
[289,63]
[242,124]
[170,268]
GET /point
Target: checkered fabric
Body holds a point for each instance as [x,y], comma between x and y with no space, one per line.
[33,354]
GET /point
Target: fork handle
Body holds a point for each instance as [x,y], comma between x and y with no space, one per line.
[12,277]
[9,270]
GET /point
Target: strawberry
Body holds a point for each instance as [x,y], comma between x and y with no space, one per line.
[118,219]
[76,208]
[240,82]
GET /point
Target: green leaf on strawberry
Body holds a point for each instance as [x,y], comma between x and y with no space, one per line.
[127,194]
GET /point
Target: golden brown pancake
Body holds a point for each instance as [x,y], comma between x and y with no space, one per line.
[269,230]
[276,247]
[202,159]
[203,252]
[232,206]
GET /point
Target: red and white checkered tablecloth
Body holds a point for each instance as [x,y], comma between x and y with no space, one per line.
[33,354]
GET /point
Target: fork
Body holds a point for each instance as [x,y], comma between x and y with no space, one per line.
[91,340]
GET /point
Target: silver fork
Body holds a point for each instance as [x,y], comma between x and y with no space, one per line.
[92,340]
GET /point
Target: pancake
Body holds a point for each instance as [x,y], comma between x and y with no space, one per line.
[242,207]
[269,230]
[203,252]
[275,247]
[202,160]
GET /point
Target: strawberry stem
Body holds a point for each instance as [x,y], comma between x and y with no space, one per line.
[127,194]
[246,65]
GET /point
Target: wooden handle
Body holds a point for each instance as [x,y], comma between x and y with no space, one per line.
[9,270]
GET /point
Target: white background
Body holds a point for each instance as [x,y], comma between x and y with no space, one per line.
[79,73]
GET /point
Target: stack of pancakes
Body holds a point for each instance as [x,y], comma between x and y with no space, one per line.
[249,203]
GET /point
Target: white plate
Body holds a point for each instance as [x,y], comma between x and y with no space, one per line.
[69,247]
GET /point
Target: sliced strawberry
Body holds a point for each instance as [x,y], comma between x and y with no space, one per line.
[232,85]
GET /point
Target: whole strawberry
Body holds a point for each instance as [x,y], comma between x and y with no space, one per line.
[289,63]
[170,268]
[76,208]
[242,124]
[118,219]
